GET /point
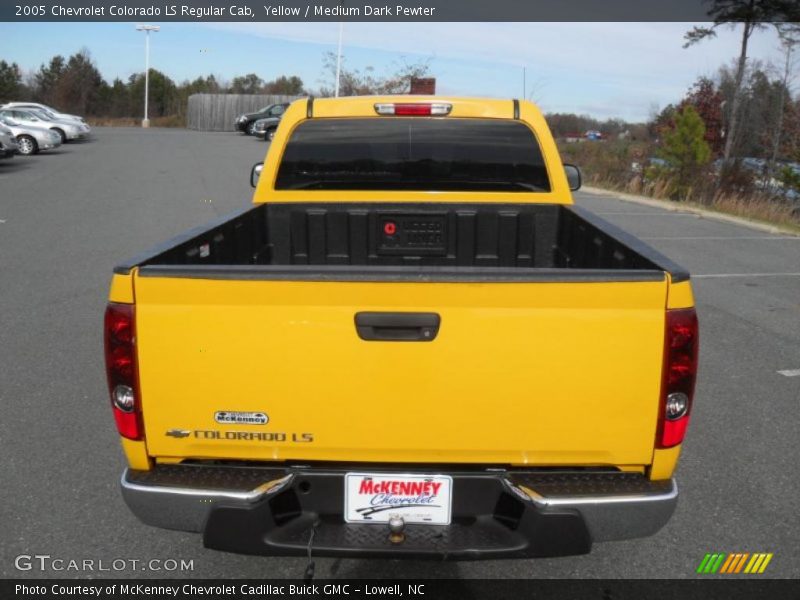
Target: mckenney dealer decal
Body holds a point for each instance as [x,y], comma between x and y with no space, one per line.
[371,498]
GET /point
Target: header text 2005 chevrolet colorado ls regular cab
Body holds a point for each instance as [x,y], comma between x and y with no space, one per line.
[411,344]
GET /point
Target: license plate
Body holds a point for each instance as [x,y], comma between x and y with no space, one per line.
[375,498]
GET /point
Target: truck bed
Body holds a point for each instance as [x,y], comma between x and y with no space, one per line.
[344,241]
[541,317]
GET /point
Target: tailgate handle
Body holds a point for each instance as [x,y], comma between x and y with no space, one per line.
[397,326]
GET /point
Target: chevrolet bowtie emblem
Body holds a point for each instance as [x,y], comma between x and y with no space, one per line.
[178,433]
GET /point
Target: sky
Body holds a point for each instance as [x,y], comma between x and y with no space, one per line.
[606,70]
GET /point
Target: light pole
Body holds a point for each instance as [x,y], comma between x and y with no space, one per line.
[339,57]
[339,51]
[524,84]
[147,29]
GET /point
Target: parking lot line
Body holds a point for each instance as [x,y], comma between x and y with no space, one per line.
[790,373]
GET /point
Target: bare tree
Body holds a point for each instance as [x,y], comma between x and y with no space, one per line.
[353,82]
[535,89]
[790,38]
[752,15]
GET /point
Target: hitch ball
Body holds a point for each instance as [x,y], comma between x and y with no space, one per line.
[397,529]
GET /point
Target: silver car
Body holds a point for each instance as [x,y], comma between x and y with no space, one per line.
[50,109]
[68,130]
[46,115]
[8,143]
[31,140]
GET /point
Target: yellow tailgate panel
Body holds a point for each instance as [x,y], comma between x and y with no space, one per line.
[520,373]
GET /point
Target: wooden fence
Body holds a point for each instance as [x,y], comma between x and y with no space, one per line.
[216,112]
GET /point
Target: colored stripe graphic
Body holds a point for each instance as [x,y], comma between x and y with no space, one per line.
[741,562]
[703,563]
[736,558]
[765,563]
[710,564]
[754,563]
[734,562]
[727,563]
[717,563]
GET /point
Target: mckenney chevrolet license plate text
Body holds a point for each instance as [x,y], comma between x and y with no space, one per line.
[374,498]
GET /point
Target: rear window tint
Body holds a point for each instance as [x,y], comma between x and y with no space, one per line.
[413,153]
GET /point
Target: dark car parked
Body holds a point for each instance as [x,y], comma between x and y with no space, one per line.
[265,128]
[245,123]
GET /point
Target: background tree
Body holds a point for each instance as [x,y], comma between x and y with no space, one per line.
[247,84]
[706,99]
[790,140]
[80,86]
[200,85]
[354,82]
[163,94]
[790,39]
[790,179]
[45,80]
[73,85]
[613,127]
[10,82]
[765,102]
[115,100]
[399,82]
[751,15]
[565,124]
[663,122]
[685,149]
[284,86]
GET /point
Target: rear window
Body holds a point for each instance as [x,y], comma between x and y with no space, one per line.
[412,153]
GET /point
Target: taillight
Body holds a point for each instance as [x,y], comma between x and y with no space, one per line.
[680,371]
[414,109]
[123,376]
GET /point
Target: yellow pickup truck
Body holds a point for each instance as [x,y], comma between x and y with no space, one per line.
[411,344]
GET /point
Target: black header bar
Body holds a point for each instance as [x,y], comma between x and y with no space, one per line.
[359,10]
[735,588]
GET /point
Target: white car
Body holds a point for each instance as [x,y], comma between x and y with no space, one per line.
[67,129]
[30,139]
[49,109]
[8,143]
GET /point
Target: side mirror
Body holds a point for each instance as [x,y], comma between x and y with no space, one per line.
[255,173]
[574,178]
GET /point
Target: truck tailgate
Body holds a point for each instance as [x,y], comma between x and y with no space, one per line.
[519,373]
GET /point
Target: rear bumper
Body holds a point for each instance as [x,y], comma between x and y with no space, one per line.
[496,514]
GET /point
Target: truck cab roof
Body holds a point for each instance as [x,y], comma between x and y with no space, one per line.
[423,114]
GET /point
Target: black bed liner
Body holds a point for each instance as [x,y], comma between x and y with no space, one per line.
[467,242]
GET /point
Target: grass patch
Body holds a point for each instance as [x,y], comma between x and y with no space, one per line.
[758,209]
[621,166]
[767,211]
[168,121]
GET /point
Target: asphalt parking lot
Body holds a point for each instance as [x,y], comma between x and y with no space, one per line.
[67,217]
